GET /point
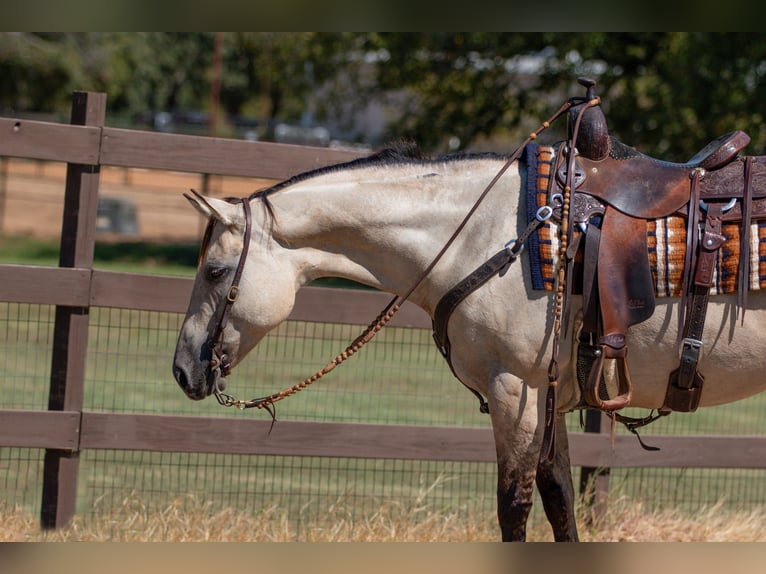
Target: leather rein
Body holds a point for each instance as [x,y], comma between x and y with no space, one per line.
[221,362]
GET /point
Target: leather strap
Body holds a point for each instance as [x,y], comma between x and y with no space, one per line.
[590,301]
[685,382]
[450,301]
[743,277]
[692,233]
[497,264]
[215,342]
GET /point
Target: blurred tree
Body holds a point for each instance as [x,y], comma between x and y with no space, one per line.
[460,86]
[274,75]
[670,93]
[147,70]
[36,72]
[666,93]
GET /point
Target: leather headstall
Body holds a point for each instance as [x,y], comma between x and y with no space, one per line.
[220,360]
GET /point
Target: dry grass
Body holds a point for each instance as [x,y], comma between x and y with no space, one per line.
[134,522]
[630,522]
[625,522]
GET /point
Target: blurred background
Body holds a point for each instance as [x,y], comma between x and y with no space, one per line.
[666,93]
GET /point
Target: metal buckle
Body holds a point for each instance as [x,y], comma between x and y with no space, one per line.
[544,213]
[693,345]
[512,243]
[727,207]
[233,294]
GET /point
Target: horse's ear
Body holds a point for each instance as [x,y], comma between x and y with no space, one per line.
[211,207]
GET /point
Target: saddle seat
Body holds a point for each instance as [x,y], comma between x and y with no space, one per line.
[648,188]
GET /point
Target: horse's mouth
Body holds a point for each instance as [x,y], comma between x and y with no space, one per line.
[213,383]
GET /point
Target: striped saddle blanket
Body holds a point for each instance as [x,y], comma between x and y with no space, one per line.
[666,240]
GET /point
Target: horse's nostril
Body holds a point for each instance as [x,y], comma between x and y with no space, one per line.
[180,377]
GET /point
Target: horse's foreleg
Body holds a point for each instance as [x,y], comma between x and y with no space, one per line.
[513,408]
[515,488]
[554,481]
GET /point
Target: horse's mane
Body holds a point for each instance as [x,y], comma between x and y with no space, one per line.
[402,152]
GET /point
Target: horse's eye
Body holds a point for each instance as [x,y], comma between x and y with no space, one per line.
[214,273]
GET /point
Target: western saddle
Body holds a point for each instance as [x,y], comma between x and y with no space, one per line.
[615,191]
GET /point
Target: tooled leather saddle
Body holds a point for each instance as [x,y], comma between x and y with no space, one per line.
[616,191]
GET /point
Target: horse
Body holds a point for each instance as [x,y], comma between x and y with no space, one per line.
[380,221]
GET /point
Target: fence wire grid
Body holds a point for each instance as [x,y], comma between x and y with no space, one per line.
[400,378]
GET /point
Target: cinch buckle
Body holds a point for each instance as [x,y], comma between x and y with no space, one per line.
[693,346]
[233,294]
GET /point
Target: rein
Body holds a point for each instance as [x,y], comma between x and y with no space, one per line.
[221,361]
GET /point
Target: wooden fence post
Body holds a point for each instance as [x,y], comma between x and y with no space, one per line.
[70,331]
[3,188]
[594,481]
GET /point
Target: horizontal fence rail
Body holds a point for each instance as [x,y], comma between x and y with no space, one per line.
[48,141]
[151,150]
[220,156]
[170,433]
[75,286]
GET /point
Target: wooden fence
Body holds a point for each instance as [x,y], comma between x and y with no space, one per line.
[65,429]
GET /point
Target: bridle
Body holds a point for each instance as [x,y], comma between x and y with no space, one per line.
[220,360]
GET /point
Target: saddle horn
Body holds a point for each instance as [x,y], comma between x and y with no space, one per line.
[593,136]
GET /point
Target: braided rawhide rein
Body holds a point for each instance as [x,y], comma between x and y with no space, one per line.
[267,401]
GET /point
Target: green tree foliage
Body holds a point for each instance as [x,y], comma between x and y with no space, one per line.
[139,71]
[670,93]
[34,72]
[272,74]
[460,86]
[665,93]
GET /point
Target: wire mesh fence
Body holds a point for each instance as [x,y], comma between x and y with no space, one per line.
[398,379]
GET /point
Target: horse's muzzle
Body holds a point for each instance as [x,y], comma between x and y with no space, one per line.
[213,381]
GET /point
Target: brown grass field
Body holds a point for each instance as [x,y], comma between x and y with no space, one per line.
[624,522]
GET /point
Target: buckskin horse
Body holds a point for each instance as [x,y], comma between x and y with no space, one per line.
[535,333]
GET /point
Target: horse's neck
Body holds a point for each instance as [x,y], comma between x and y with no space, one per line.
[383,226]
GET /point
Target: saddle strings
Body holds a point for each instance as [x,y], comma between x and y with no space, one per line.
[268,402]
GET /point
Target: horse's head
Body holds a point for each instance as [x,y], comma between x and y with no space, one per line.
[243,289]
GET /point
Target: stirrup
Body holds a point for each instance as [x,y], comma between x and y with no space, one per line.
[624,383]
